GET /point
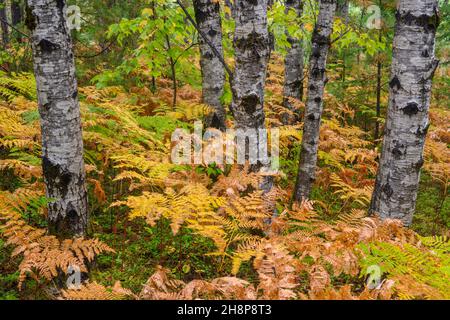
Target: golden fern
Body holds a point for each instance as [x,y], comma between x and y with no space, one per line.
[43,256]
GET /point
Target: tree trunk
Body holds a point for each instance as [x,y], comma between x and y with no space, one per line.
[271,34]
[16,12]
[251,43]
[3,24]
[413,66]
[378,108]
[314,104]
[379,78]
[62,144]
[293,74]
[342,10]
[207,15]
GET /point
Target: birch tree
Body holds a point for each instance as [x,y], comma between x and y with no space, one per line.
[252,51]
[314,104]
[251,43]
[207,15]
[413,66]
[62,144]
[293,74]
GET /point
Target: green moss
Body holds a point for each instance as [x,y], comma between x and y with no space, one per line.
[432,215]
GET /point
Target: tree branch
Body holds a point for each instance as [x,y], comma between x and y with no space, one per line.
[203,35]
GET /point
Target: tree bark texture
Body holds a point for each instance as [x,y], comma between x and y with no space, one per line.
[413,66]
[62,143]
[251,43]
[314,104]
[207,15]
[293,73]
[252,50]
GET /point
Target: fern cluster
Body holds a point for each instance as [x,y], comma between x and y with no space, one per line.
[43,256]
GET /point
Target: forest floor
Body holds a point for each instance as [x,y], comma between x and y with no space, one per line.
[205,225]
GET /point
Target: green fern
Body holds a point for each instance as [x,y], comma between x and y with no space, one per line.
[427,268]
[15,85]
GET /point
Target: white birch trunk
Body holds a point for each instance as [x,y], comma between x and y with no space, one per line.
[413,66]
[207,15]
[314,104]
[62,144]
[251,42]
[293,74]
[252,50]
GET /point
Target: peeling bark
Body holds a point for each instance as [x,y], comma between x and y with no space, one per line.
[293,74]
[207,15]
[62,144]
[251,43]
[314,104]
[407,123]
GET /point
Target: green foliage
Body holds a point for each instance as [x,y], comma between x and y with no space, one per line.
[162,37]
[429,268]
[161,125]
[15,85]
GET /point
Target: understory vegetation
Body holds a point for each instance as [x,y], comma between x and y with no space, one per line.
[159,230]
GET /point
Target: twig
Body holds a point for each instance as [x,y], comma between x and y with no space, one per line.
[203,35]
[14,28]
[96,54]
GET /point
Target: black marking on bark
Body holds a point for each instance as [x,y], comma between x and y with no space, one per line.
[425,53]
[399,150]
[46,106]
[419,164]
[412,108]
[75,94]
[387,190]
[317,73]
[60,4]
[30,19]
[422,131]
[208,55]
[428,22]
[317,99]
[320,39]
[249,103]
[254,41]
[216,123]
[212,32]
[395,83]
[57,177]
[47,46]
[315,52]
[67,224]
[201,13]
[253,2]
[311,117]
